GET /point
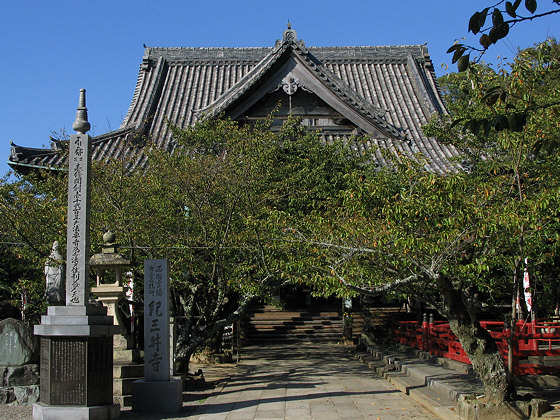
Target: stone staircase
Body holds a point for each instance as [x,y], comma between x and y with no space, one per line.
[374,318]
[269,326]
[123,377]
[127,367]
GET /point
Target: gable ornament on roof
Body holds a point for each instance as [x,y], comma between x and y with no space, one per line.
[290,84]
[289,34]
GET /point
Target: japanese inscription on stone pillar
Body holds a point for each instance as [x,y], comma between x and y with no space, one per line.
[156,320]
[77,246]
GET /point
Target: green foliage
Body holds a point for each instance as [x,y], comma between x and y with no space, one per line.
[210,207]
[454,240]
[522,97]
[28,296]
[471,228]
[504,16]
[506,124]
[31,219]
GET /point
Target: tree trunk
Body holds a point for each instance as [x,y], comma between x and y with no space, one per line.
[477,344]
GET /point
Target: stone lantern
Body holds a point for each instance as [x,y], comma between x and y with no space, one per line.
[109,266]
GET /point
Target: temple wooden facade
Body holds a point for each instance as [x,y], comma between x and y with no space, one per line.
[386,92]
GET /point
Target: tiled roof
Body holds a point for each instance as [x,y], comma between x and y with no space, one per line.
[392,86]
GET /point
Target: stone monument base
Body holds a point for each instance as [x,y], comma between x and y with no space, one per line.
[76,364]
[100,412]
[164,397]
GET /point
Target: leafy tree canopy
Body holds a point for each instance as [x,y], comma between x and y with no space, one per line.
[455,240]
[494,23]
[208,207]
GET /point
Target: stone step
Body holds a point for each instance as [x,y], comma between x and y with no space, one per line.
[293,339]
[444,408]
[286,328]
[260,321]
[393,352]
[455,365]
[412,380]
[544,360]
[123,386]
[123,400]
[297,334]
[292,327]
[127,356]
[445,383]
[282,329]
[124,374]
[295,321]
[130,370]
[293,315]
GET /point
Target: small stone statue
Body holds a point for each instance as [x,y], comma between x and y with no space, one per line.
[54,277]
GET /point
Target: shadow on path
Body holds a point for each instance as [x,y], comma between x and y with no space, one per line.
[299,377]
[230,406]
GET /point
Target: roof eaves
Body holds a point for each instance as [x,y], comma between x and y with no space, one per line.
[13,165]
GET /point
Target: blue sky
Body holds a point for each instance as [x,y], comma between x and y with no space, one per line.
[51,49]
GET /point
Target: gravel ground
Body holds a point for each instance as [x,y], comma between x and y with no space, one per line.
[15,412]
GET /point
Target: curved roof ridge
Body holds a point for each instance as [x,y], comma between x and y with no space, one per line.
[270,48]
[244,83]
[149,49]
[371,46]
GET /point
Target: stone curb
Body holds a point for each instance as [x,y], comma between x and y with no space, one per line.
[434,382]
[427,380]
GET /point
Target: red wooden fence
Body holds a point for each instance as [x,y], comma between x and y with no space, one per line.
[534,343]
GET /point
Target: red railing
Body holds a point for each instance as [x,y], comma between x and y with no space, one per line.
[536,345]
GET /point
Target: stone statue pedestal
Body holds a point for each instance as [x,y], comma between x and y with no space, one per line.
[110,295]
[76,364]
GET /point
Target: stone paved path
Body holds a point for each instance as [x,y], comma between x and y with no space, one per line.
[307,381]
[298,382]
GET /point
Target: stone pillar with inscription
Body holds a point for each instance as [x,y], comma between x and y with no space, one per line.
[77,339]
[157,392]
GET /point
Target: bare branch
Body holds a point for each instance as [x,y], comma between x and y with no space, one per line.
[378,290]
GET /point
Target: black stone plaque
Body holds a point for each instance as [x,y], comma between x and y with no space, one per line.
[45,388]
[100,371]
[66,377]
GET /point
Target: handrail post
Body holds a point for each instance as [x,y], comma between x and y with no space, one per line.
[430,332]
[516,356]
[534,341]
[425,332]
